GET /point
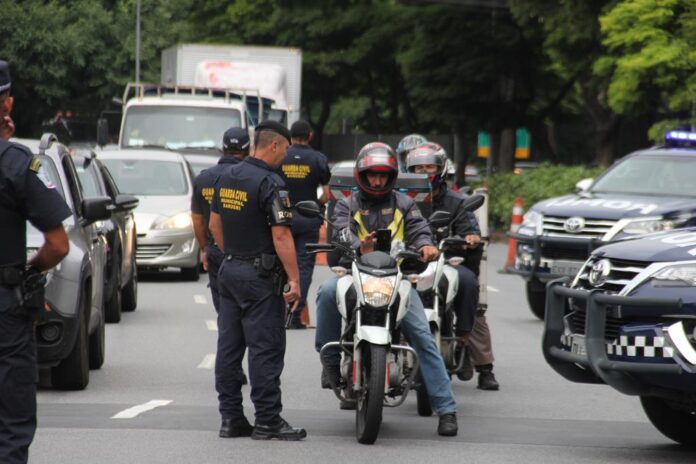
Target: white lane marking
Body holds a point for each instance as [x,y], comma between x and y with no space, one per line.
[208,362]
[130,413]
[200,299]
[493,289]
[212,325]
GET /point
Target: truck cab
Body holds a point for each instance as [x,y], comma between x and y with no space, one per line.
[647,191]
[179,118]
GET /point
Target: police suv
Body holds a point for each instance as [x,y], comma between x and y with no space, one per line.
[647,191]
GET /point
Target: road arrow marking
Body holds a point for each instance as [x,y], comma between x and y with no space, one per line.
[208,362]
[200,299]
[212,325]
[130,413]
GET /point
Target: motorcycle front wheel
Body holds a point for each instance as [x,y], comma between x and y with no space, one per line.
[368,411]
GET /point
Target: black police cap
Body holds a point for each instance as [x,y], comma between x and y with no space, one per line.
[235,139]
[274,126]
[300,129]
[5,81]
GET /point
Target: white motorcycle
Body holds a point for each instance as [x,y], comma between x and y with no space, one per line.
[373,299]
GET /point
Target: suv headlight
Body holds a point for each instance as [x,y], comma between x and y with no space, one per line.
[648,226]
[680,275]
[377,291]
[178,221]
[531,223]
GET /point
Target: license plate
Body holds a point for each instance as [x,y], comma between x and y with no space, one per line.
[566,268]
[578,345]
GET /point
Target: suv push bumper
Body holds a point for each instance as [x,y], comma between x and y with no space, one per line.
[535,266]
[594,365]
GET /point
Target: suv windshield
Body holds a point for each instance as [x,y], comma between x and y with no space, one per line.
[147,177]
[654,175]
[178,127]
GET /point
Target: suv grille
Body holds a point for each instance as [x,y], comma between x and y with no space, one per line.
[150,251]
[594,228]
[576,324]
[622,272]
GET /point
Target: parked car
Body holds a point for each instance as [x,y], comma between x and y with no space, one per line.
[70,333]
[121,282]
[162,181]
[201,161]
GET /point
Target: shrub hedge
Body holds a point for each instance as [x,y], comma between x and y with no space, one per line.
[533,185]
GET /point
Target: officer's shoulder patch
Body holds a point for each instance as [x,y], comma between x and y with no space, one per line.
[35,164]
[415,212]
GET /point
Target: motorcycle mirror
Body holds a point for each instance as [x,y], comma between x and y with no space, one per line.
[308,208]
[473,202]
[440,219]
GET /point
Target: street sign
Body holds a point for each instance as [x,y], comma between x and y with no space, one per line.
[484,145]
[522,144]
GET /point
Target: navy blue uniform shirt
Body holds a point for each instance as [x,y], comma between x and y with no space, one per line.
[303,170]
[250,198]
[23,196]
[204,188]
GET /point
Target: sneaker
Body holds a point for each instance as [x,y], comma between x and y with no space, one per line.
[230,429]
[447,427]
[282,431]
[296,324]
[486,380]
[330,377]
[467,371]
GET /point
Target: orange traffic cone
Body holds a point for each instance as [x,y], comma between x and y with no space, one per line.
[515,222]
[321,257]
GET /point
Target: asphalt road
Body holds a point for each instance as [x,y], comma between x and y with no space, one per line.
[161,356]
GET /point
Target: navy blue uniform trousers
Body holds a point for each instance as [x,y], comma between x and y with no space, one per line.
[18,379]
[252,317]
[304,231]
[215,257]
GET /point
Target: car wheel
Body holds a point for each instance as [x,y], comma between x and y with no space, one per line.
[73,372]
[536,297]
[676,424]
[113,306]
[191,274]
[129,294]
[97,347]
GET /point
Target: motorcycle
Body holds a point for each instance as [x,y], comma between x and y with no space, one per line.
[373,299]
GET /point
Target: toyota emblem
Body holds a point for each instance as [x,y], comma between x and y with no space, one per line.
[574,225]
[599,273]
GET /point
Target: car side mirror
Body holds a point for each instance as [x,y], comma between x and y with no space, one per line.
[126,202]
[308,208]
[102,132]
[440,219]
[96,209]
[583,185]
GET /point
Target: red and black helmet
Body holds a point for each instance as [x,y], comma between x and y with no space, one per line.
[376,157]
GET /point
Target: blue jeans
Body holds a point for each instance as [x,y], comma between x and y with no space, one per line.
[415,328]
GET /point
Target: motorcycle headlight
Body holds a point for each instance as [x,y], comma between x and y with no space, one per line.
[648,226]
[377,291]
[178,221]
[681,275]
[531,222]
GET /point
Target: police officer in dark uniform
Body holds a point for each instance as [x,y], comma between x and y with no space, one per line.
[235,147]
[23,196]
[250,221]
[304,170]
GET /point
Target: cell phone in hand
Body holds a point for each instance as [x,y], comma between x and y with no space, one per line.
[383,240]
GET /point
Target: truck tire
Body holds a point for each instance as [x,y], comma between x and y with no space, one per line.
[675,424]
[129,293]
[368,410]
[97,347]
[114,305]
[536,297]
[73,372]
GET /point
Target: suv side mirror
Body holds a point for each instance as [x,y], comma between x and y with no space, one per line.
[102,132]
[96,209]
[126,202]
[583,185]
[308,208]
[440,219]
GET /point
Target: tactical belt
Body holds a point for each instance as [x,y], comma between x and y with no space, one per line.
[246,259]
[10,276]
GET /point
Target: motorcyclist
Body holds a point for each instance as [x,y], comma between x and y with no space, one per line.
[431,159]
[376,206]
[407,144]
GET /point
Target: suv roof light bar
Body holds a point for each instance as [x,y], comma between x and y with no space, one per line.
[680,138]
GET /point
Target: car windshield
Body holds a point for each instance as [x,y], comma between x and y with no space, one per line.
[178,127]
[654,175]
[148,177]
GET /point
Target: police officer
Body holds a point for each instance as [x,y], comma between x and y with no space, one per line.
[303,170]
[235,147]
[23,196]
[250,220]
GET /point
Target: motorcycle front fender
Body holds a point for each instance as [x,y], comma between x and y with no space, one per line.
[374,335]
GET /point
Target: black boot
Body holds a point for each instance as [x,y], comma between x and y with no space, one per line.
[330,377]
[467,371]
[447,426]
[295,324]
[486,379]
[281,430]
[230,429]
